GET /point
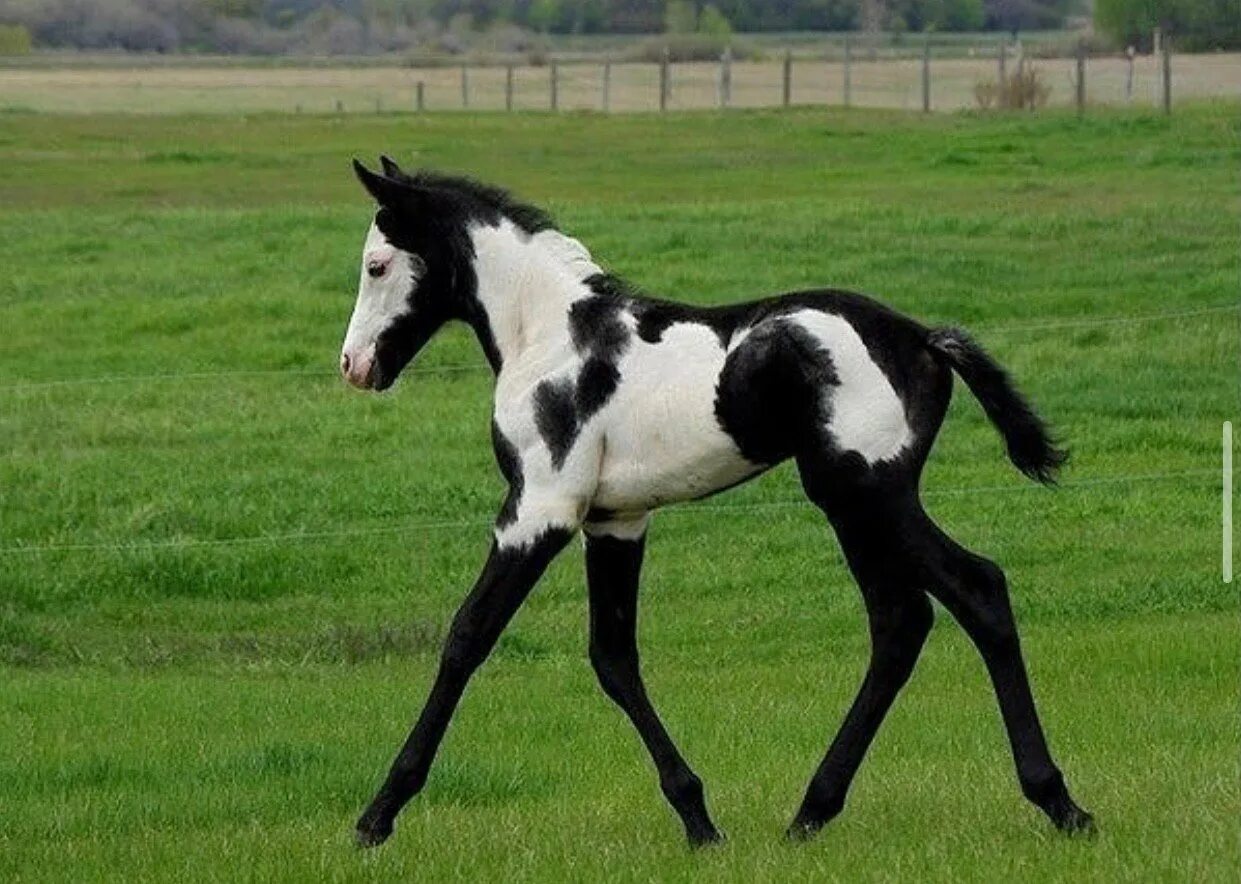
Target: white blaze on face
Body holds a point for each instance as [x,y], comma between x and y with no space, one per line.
[388,276]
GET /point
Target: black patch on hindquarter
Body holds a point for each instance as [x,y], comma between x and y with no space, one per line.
[773,391]
[510,467]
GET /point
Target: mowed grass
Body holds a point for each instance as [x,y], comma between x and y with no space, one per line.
[181,698]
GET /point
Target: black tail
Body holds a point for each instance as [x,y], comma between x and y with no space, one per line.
[1031,447]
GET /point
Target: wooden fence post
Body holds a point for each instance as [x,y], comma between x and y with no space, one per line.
[607,85]
[554,86]
[1081,77]
[663,80]
[340,106]
[926,74]
[726,77]
[419,104]
[508,88]
[1002,74]
[848,86]
[1167,74]
[1129,53]
[465,86]
[786,92]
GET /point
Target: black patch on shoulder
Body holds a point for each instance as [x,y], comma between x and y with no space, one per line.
[599,334]
[510,467]
[596,327]
[596,383]
[556,417]
[771,395]
[608,285]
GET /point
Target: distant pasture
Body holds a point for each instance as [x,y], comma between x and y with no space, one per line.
[884,83]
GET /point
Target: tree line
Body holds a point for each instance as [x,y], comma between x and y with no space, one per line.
[345,27]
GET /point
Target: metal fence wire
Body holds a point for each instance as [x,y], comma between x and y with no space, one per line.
[1092,483]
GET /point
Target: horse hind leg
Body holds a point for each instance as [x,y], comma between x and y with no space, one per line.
[899,616]
[975,592]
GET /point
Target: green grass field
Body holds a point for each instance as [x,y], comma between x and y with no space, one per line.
[224,577]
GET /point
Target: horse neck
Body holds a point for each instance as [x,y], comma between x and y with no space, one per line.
[526,284]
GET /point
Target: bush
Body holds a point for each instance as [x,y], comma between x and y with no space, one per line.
[14,40]
[714,22]
[680,17]
[1025,89]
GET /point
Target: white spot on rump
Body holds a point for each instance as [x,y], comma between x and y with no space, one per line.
[866,414]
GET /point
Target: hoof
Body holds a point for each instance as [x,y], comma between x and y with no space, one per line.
[707,838]
[372,831]
[802,831]
[1077,823]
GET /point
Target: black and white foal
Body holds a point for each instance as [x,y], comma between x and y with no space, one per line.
[609,405]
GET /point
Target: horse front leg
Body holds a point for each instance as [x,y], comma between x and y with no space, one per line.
[510,573]
[613,567]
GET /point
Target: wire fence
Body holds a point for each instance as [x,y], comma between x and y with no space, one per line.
[481,521]
[469,367]
[687,509]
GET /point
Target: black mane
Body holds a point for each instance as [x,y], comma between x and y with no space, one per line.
[479,199]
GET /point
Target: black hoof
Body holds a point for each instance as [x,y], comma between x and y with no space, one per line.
[802,830]
[1077,822]
[372,831]
[706,838]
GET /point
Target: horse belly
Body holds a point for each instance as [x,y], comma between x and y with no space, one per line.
[662,440]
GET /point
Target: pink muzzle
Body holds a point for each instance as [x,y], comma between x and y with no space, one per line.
[356,366]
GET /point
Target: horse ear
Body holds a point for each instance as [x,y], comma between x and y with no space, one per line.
[391,169]
[383,189]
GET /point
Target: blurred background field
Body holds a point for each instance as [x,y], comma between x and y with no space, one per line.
[633,86]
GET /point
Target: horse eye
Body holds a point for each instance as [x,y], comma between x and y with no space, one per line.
[375,269]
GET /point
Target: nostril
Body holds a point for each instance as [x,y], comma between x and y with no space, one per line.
[344,363]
